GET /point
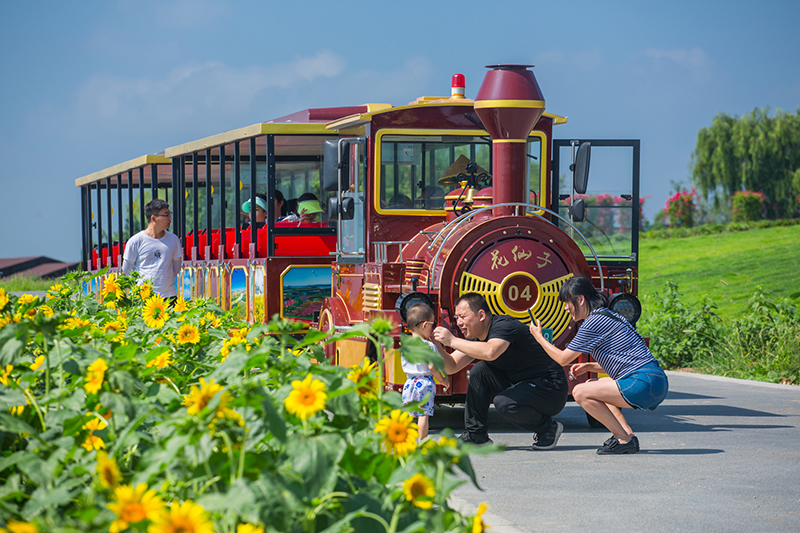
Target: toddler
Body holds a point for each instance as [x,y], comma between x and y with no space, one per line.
[419,382]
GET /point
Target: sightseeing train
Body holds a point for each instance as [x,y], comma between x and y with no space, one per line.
[419,202]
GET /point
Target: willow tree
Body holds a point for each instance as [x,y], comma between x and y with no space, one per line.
[755,152]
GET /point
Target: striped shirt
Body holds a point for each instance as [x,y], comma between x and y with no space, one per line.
[612,342]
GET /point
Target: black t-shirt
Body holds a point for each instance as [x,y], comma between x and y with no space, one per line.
[524,358]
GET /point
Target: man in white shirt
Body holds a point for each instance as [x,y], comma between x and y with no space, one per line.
[155,252]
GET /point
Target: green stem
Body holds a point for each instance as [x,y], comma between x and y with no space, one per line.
[378,518]
[395,519]
[381,363]
[229,444]
[240,470]
[440,495]
[60,366]
[47,368]
[313,514]
[36,407]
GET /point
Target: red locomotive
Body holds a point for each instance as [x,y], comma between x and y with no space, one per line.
[425,201]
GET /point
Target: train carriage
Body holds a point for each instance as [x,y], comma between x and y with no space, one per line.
[426,201]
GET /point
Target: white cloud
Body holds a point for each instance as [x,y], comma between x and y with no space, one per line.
[692,58]
[584,60]
[551,57]
[676,64]
[195,91]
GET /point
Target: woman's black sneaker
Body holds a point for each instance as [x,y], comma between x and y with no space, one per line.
[613,447]
[475,439]
[547,440]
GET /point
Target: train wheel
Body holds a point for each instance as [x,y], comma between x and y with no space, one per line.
[593,422]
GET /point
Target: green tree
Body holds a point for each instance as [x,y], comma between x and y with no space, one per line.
[755,152]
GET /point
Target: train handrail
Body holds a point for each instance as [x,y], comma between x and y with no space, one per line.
[382,250]
[529,209]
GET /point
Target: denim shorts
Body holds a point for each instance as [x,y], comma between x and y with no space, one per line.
[645,387]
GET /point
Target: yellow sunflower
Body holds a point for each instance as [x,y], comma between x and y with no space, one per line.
[15,526]
[401,433]
[26,299]
[117,326]
[362,376]
[199,397]
[112,288]
[76,323]
[93,442]
[145,291]
[211,318]
[135,505]
[107,471]
[187,517]
[307,397]
[3,298]
[188,334]
[4,374]
[94,376]
[478,525]
[180,305]
[161,361]
[55,291]
[38,363]
[95,424]
[249,528]
[155,312]
[5,319]
[418,490]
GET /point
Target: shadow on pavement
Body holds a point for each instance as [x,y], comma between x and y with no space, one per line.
[682,451]
[671,395]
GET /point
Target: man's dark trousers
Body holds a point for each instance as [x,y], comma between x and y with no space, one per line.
[529,404]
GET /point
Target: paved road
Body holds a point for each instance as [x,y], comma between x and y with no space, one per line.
[719,454]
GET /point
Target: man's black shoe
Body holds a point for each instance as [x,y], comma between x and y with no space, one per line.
[475,439]
[547,440]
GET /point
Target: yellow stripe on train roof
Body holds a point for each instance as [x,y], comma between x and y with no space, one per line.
[121,168]
[262,128]
[360,119]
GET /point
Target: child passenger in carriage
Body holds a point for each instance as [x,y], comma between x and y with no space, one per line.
[419,381]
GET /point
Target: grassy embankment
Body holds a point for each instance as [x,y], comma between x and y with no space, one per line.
[726,267]
[731,336]
[25,283]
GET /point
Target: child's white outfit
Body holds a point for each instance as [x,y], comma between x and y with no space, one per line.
[419,383]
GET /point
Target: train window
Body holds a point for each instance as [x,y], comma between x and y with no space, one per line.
[534,175]
[411,166]
[609,201]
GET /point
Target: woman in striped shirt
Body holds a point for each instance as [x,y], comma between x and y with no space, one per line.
[635,378]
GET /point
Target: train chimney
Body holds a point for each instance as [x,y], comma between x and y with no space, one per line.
[509,103]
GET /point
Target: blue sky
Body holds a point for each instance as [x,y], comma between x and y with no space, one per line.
[90,84]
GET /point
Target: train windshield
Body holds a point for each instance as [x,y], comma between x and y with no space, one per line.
[412,165]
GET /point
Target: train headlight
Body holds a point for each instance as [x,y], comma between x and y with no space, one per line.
[626,305]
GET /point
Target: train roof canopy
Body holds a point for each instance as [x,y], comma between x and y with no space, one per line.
[359,119]
[308,121]
[122,168]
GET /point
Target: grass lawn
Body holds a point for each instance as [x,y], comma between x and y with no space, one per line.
[725,266]
[25,283]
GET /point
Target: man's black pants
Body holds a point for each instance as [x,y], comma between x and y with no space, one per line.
[529,404]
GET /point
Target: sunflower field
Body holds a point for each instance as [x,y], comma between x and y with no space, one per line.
[121,413]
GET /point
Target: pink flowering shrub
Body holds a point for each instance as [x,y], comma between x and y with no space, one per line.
[610,221]
[680,208]
[747,205]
